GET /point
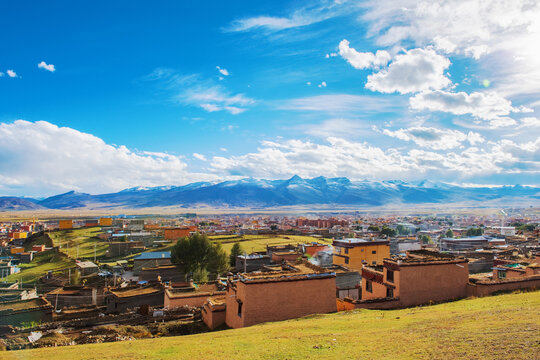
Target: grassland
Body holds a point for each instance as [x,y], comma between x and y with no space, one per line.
[79,241]
[498,327]
[42,263]
[251,243]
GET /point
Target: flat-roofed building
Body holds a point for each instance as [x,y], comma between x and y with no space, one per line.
[294,291]
[151,259]
[355,253]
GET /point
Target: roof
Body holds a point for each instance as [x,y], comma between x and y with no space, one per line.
[153,255]
[352,242]
[86,264]
[300,271]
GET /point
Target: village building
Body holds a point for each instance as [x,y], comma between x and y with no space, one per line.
[293,292]
[177,233]
[21,312]
[420,277]
[75,296]
[214,312]
[65,224]
[119,300]
[87,268]
[251,262]
[151,259]
[105,221]
[189,294]
[355,253]
[162,273]
[12,293]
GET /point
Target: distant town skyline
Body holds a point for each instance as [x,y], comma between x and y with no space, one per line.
[99,97]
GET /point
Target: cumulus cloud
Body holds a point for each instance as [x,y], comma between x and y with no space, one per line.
[49,67]
[359,160]
[43,158]
[436,139]
[199,156]
[11,73]
[322,84]
[223,71]
[529,122]
[415,70]
[362,60]
[484,105]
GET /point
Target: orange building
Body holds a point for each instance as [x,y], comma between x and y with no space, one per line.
[177,233]
[355,253]
[19,235]
[65,224]
[105,221]
[17,250]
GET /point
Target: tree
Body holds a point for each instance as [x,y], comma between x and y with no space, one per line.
[449,233]
[388,231]
[475,231]
[403,230]
[217,261]
[425,239]
[374,228]
[191,254]
[235,251]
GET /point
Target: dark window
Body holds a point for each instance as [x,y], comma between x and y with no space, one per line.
[390,275]
[239,308]
[501,274]
[374,263]
[389,293]
[368,286]
[346,250]
[346,260]
[374,252]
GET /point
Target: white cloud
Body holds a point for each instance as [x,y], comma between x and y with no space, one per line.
[499,34]
[322,84]
[360,60]
[199,156]
[484,105]
[430,137]
[308,83]
[343,103]
[359,160]
[11,73]
[334,127]
[222,71]
[529,122]
[67,159]
[415,70]
[49,67]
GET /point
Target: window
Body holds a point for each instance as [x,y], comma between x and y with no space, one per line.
[346,250]
[369,286]
[361,250]
[390,275]
[346,260]
[239,308]
[389,292]
[374,252]
[501,274]
[373,263]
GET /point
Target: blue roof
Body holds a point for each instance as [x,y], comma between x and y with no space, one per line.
[153,255]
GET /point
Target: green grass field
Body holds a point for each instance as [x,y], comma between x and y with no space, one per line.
[79,241]
[497,327]
[42,263]
[251,243]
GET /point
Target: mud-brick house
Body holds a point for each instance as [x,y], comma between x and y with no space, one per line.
[214,311]
[20,312]
[189,294]
[420,277]
[294,291]
[120,299]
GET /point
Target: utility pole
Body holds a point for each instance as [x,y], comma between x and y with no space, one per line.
[94,252]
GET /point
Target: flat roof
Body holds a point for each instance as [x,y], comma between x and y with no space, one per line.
[287,273]
[153,255]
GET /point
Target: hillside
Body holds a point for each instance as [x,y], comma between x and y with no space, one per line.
[497,327]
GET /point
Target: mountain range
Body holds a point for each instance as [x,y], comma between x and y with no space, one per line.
[259,193]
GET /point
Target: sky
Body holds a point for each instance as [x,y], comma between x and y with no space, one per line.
[101,96]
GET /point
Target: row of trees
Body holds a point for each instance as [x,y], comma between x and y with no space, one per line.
[201,260]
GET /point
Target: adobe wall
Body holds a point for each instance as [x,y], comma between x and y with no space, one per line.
[275,301]
[213,319]
[195,300]
[489,288]
[421,284]
[379,290]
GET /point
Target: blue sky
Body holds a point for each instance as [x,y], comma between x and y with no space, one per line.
[98,97]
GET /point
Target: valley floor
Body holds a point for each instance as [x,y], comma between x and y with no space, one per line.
[496,327]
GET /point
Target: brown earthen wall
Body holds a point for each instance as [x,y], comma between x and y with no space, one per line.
[424,283]
[213,319]
[486,289]
[275,301]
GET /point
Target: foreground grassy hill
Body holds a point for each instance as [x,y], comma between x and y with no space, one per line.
[498,327]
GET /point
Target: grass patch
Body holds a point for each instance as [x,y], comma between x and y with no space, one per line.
[80,241]
[496,327]
[42,263]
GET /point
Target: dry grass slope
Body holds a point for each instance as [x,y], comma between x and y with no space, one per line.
[498,327]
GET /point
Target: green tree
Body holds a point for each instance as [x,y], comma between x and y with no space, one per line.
[475,231]
[449,233]
[235,251]
[388,231]
[191,254]
[373,228]
[425,239]
[218,262]
[403,230]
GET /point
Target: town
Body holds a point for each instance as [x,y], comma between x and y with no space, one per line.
[113,278]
